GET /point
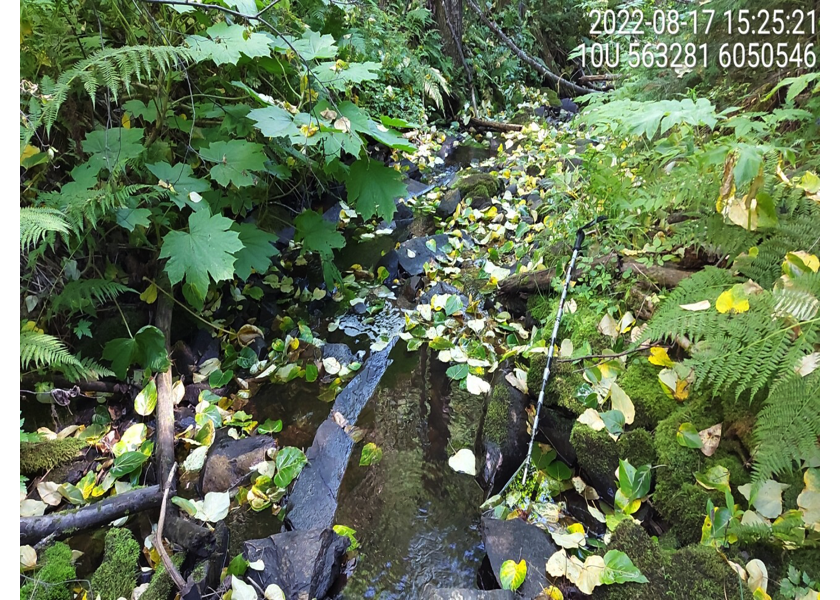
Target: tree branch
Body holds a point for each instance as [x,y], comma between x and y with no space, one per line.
[569,87]
[167,562]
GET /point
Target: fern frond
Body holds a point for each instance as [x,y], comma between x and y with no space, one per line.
[109,68]
[36,222]
[91,206]
[788,427]
[83,293]
[39,350]
[750,351]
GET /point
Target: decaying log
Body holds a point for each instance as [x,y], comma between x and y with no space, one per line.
[65,523]
[476,122]
[540,281]
[567,86]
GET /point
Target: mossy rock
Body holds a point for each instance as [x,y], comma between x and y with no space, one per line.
[641,382]
[580,326]
[495,421]
[465,411]
[693,572]
[677,497]
[51,582]
[563,382]
[477,185]
[161,585]
[116,577]
[599,455]
[37,457]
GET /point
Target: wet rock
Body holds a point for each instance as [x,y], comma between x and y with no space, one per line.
[448,146]
[450,201]
[441,288]
[421,225]
[193,391]
[314,497]
[465,594]
[409,168]
[333,213]
[416,188]
[229,461]
[340,352]
[303,563]
[414,253]
[285,236]
[183,358]
[557,431]
[390,261]
[504,433]
[202,340]
[260,346]
[517,540]
[569,105]
[480,202]
[577,508]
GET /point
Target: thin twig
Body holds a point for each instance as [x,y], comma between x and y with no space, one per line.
[167,562]
[616,355]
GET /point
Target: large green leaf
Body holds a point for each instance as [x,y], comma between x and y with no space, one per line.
[146,400]
[317,234]
[257,252]
[373,187]
[290,462]
[206,251]
[620,569]
[127,462]
[274,121]
[226,43]
[340,74]
[361,122]
[131,218]
[178,180]
[310,45]
[110,148]
[147,349]
[236,159]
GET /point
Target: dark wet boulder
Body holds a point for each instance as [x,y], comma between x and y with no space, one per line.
[504,433]
[465,594]
[390,261]
[556,429]
[229,461]
[303,563]
[415,253]
[340,352]
[416,188]
[442,288]
[517,540]
[193,391]
[447,205]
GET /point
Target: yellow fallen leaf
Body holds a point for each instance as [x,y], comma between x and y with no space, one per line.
[149,296]
[733,300]
[126,121]
[659,356]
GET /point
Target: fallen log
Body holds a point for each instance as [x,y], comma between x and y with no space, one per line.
[65,523]
[540,281]
[494,125]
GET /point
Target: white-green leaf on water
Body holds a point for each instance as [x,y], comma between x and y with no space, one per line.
[331,365]
[214,507]
[477,386]
[463,462]
[241,590]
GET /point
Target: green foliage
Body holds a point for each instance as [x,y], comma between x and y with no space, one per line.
[39,350]
[37,457]
[206,251]
[641,383]
[629,117]
[147,349]
[225,44]
[116,577]
[54,580]
[83,295]
[37,222]
[788,427]
[316,234]
[373,187]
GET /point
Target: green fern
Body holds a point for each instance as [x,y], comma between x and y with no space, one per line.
[751,351]
[91,206]
[85,294]
[36,222]
[110,68]
[788,427]
[42,351]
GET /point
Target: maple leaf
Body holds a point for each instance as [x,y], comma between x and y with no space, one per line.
[373,187]
[226,43]
[206,251]
[316,234]
[257,251]
[236,159]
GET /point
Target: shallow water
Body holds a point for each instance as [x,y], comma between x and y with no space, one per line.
[416,519]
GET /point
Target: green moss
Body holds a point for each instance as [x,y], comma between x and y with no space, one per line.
[116,577]
[562,384]
[464,418]
[496,419]
[42,456]
[477,185]
[676,495]
[160,587]
[51,581]
[806,560]
[641,382]
[542,307]
[694,572]
[599,455]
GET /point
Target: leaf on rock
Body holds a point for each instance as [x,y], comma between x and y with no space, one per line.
[688,437]
[710,438]
[622,402]
[290,462]
[618,568]
[716,477]
[512,574]
[463,461]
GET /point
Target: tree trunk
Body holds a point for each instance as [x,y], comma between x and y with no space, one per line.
[165,435]
[449,15]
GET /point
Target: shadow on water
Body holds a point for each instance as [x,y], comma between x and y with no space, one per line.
[296,403]
[416,519]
